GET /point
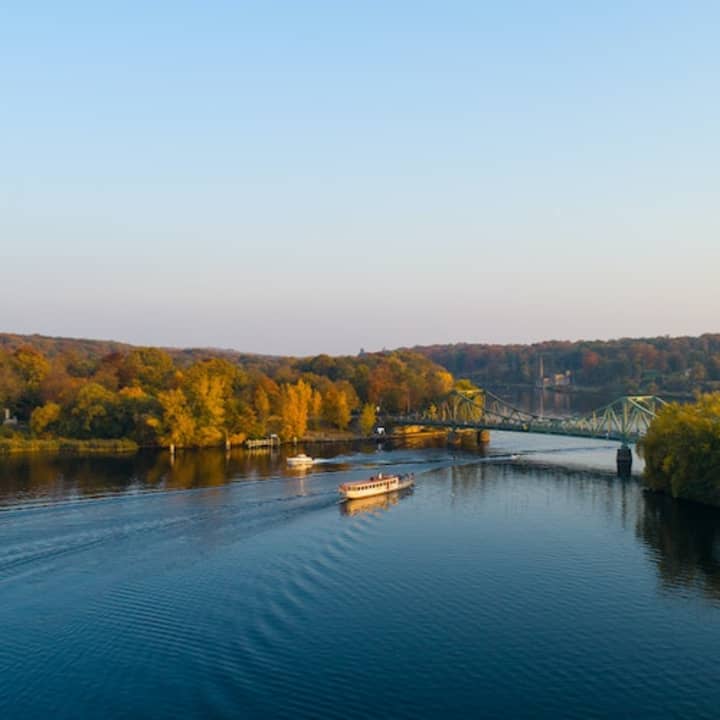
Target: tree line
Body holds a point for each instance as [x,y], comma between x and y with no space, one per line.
[155,398]
[680,364]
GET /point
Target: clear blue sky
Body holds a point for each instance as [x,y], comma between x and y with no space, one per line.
[301,177]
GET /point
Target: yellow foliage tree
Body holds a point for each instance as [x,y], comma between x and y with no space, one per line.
[178,424]
[317,403]
[44,417]
[261,403]
[295,406]
[32,365]
[336,407]
[367,419]
[208,387]
[682,450]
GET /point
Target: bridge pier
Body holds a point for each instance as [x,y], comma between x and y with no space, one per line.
[624,461]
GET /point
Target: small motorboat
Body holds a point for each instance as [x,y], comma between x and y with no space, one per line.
[301,460]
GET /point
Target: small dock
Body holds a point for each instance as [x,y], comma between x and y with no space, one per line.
[268,442]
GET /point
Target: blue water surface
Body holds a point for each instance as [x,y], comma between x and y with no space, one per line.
[230,587]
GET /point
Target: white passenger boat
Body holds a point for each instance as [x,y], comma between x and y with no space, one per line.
[301,460]
[376,485]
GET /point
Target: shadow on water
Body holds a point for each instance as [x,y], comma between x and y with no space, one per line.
[685,539]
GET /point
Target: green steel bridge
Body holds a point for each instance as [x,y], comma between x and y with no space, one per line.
[625,420]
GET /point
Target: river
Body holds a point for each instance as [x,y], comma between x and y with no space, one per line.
[226,586]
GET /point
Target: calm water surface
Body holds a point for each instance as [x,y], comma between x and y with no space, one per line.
[230,587]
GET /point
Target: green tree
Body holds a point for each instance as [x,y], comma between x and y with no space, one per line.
[95,413]
[140,413]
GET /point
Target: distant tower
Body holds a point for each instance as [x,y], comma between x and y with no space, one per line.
[541,371]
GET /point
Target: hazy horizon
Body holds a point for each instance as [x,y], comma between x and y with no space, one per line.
[295,179]
[245,351]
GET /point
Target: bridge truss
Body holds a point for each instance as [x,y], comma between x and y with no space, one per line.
[625,419]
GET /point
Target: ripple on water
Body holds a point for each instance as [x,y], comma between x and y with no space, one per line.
[491,591]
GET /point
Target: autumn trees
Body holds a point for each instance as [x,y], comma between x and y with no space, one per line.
[367,420]
[682,450]
[628,364]
[21,374]
[154,398]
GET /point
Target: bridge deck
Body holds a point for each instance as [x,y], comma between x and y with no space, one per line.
[626,419]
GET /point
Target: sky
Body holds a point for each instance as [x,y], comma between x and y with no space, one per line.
[302,177]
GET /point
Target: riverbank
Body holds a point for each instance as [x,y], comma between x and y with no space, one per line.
[21,445]
[18,444]
[333,436]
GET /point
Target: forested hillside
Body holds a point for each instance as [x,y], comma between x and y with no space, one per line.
[89,389]
[681,364]
[86,390]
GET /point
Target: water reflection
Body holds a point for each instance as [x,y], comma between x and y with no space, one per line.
[50,478]
[685,538]
[534,579]
[376,503]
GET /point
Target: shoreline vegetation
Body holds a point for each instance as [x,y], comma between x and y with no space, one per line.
[19,444]
[682,450]
[89,397]
[60,397]
[69,446]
